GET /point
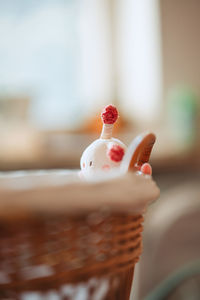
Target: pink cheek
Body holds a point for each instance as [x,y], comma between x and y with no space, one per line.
[105,167]
[83,165]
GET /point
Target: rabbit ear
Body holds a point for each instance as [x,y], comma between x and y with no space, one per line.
[116,153]
[138,152]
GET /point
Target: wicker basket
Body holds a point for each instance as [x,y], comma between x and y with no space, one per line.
[84,256]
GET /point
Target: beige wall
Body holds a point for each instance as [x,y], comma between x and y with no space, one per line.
[180,21]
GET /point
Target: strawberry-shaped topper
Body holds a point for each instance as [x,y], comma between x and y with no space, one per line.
[106,153]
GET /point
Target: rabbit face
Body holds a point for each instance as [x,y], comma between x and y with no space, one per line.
[102,155]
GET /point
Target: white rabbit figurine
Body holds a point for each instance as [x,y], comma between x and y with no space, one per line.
[106,153]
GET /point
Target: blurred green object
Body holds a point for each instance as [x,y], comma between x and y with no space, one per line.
[182,116]
[177,279]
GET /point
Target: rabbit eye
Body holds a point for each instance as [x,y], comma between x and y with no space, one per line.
[90,163]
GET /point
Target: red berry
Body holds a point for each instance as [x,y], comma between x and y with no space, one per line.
[109,114]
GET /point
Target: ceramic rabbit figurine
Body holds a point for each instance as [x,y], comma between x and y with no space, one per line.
[106,153]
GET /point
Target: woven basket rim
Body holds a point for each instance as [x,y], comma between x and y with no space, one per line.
[29,194]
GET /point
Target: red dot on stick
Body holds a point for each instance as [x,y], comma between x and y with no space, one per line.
[109,114]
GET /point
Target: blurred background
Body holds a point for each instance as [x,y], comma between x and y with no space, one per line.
[61,61]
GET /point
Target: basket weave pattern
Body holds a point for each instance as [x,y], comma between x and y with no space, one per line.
[63,256]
